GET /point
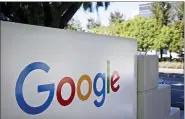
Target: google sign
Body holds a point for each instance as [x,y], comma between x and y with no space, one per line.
[108,80]
[66,77]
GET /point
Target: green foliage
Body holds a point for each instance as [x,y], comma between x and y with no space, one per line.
[145,31]
[151,33]
[163,38]
[74,25]
[170,35]
[179,24]
[162,12]
[180,11]
[176,43]
[91,23]
[140,28]
[116,17]
[169,38]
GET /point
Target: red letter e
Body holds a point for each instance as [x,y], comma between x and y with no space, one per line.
[114,78]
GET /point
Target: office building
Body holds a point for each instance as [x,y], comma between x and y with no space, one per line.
[145,9]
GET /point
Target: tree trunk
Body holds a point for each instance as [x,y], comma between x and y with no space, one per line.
[170,56]
[142,49]
[161,53]
[47,14]
[57,16]
[65,6]
[69,14]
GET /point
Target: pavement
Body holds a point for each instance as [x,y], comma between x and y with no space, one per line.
[175,78]
[175,71]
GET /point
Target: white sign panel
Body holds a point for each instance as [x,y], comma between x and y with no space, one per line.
[49,73]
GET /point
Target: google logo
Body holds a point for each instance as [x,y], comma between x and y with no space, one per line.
[75,88]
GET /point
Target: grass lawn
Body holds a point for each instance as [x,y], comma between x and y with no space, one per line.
[171,65]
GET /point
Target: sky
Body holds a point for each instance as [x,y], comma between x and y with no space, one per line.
[128,9]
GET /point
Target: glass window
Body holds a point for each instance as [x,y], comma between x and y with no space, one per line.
[144,8]
[146,14]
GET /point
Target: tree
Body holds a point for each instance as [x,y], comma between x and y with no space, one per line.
[163,39]
[169,38]
[50,14]
[116,17]
[180,11]
[162,13]
[91,23]
[143,29]
[104,30]
[177,41]
[74,25]
[179,23]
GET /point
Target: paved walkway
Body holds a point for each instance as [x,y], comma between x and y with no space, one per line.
[177,71]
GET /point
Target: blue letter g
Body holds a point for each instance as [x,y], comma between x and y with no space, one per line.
[41,88]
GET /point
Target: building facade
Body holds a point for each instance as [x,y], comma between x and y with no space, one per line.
[145,9]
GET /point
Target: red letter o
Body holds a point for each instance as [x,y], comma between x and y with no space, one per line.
[59,88]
